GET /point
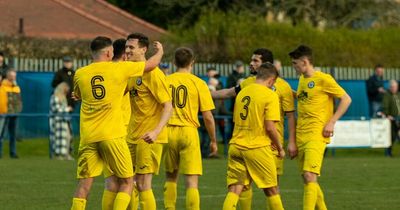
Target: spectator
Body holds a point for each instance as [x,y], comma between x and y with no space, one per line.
[165,68]
[220,109]
[3,66]
[60,124]
[234,79]
[236,75]
[391,109]
[375,90]
[213,73]
[10,103]
[65,74]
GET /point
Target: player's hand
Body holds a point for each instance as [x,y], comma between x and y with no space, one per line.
[150,137]
[158,47]
[70,109]
[281,153]
[292,149]
[328,129]
[214,148]
[75,97]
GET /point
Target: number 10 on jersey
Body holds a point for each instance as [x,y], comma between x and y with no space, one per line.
[179,96]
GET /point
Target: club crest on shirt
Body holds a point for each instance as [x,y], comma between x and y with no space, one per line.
[138,81]
[273,88]
[302,96]
[311,84]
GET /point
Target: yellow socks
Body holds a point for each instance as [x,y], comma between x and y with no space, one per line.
[245,199]
[147,200]
[192,199]
[274,202]
[320,199]
[107,202]
[170,195]
[230,201]
[134,203]
[310,196]
[121,201]
[78,204]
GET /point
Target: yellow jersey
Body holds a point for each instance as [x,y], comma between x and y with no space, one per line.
[126,109]
[253,106]
[147,94]
[190,95]
[248,81]
[286,101]
[101,87]
[315,105]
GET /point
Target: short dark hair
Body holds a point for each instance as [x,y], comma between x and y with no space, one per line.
[100,43]
[210,68]
[267,70]
[143,39]
[119,48]
[377,66]
[266,55]
[1,54]
[183,57]
[302,51]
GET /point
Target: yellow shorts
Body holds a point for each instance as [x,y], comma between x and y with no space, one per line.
[146,157]
[310,155]
[114,154]
[183,151]
[251,164]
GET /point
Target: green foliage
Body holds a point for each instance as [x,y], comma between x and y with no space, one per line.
[224,37]
[27,47]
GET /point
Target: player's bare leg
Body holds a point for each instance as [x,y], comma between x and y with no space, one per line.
[274,201]
[81,193]
[232,197]
[147,200]
[313,195]
[192,192]
[110,191]
[170,192]
[123,197]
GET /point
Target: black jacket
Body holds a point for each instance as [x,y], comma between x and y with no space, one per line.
[65,75]
[373,84]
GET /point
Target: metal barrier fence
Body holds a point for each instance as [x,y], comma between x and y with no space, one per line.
[341,73]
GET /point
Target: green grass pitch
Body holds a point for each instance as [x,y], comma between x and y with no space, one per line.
[354,179]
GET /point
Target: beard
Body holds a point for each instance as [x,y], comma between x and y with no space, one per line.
[253,71]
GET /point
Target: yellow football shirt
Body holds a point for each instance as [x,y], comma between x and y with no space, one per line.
[101,87]
[190,95]
[315,105]
[126,109]
[253,106]
[248,81]
[286,101]
[147,94]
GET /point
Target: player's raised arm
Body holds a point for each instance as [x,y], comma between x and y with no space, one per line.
[153,62]
[274,135]
[224,93]
[344,104]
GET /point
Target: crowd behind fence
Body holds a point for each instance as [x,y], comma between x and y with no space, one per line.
[340,73]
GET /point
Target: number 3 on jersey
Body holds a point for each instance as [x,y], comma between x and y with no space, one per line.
[98,91]
[179,96]
[246,100]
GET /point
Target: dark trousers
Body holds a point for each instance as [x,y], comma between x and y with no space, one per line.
[9,123]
